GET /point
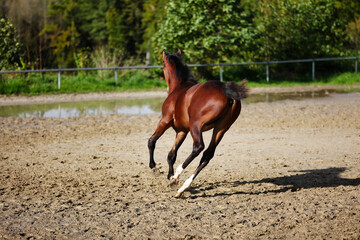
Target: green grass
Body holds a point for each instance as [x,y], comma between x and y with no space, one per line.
[36,84]
[45,83]
[337,79]
[343,79]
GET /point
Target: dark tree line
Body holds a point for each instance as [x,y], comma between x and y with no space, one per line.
[81,33]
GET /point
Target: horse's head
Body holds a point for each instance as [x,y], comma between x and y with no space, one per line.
[171,63]
[175,70]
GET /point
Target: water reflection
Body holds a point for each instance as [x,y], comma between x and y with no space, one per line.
[75,109]
[272,97]
[134,106]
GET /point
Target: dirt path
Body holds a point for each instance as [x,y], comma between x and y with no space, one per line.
[285,170]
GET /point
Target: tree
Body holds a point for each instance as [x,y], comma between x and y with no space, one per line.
[349,10]
[62,32]
[29,18]
[154,12]
[208,31]
[10,48]
[298,29]
[78,26]
[353,32]
[124,26]
[91,21]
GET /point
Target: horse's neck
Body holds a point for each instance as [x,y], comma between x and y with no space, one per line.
[174,83]
[182,86]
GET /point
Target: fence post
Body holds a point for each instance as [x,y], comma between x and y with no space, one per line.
[267,72]
[116,76]
[356,65]
[221,73]
[313,69]
[59,79]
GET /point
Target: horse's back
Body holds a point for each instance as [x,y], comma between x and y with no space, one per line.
[208,102]
[203,104]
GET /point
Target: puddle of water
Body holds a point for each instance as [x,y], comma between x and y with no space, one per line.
[134,106]
[273,97]
[75,109]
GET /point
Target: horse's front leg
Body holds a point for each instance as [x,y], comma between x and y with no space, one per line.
[162,126]
[180,137]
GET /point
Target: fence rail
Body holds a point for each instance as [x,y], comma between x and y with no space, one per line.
[221,65]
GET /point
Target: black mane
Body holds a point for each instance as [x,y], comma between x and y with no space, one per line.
[182,71]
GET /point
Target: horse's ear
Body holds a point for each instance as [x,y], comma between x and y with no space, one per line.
[164,56]
[179,52]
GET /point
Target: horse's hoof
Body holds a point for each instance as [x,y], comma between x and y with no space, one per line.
[173,181]
[179,195]
[156,171]
[152,165]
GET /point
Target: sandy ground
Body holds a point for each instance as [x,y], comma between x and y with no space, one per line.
[285,170]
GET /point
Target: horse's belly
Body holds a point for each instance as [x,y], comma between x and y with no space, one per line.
[181,124]
[207,127]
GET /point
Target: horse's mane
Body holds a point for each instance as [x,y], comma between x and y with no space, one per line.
[182,71]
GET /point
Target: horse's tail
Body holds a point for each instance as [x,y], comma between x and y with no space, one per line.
[236,91]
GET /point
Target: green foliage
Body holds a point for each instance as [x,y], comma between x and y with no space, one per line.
[347,9]
[63,34]
[79,26]
[10,48]
[298,29]
[90,17]
[219,31]
[124,26]
[103,33]
[153,14]
[353,31]
[208,31]
[116,31]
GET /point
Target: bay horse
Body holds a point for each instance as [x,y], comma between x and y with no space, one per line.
[194,107]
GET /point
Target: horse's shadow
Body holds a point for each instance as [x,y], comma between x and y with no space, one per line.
[303,179]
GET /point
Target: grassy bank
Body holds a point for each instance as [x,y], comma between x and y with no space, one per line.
[39,83]
[337,79]
[36,84]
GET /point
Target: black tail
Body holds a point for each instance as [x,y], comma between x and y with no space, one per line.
[236,91]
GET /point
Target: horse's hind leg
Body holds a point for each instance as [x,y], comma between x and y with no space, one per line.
[180,137]
[207,156]
[198,146]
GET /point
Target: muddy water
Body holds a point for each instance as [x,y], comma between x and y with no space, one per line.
[133,106]
[74,109]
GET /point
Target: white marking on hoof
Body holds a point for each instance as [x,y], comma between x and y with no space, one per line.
[185,186]
[179,170]
[179,195]
[173,181]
